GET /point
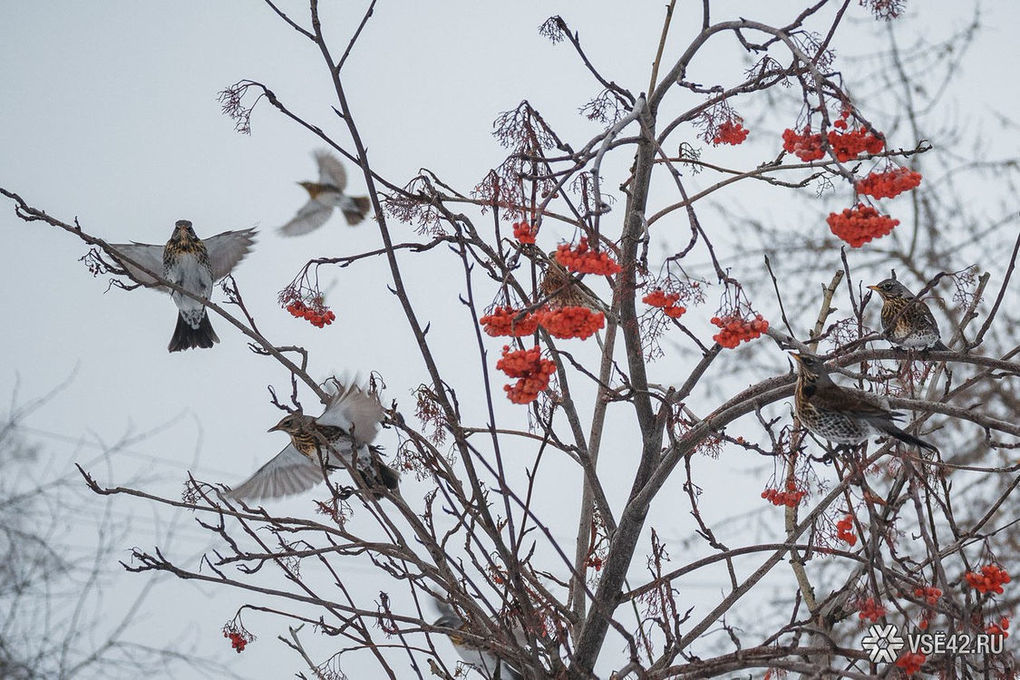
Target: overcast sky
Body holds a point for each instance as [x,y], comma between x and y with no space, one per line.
[109,114]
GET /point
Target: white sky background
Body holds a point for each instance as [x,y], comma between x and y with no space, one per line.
[108,112]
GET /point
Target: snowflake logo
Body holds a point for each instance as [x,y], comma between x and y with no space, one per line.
[882,643]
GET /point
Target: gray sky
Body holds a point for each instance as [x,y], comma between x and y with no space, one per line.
[109,113]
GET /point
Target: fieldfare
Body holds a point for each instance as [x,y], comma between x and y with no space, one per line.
[840,415]
[342,437]
[480,658]
[193,264]
[323,196]
[563,289]
[915,327]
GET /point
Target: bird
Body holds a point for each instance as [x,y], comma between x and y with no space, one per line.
[563,289]
[914,328]
[345,429]
[484,660]
[191,263]
[323,196]
[840,415]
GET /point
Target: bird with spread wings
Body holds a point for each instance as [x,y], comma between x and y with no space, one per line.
[324,196]
[192,263]
[341,437]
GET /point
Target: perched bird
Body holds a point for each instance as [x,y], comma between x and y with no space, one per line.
[564,290]
[193,264]
[840,415]
[480,658]
[324,195]
[560,287]
[915,328]
[342,436]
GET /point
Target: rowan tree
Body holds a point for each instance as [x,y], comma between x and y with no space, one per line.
[628,294]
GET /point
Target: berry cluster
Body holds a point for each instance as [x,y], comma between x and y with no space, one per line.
[730,132]
[804,145]
[317,313]
[999,628]
[594,562]
[561,322]
[570,322]
[239,638]
[736,329]
[583,260]
[525,232]
[911,662]
[847,145]
[931,594]
[503,321]
[790,498]
[666,301]
[990,579]
[860,224]
[532,370]
[888,184]
[845,530]
[237,641]
[871,610]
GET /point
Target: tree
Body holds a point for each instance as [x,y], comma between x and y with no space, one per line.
[55,621]
[590,324]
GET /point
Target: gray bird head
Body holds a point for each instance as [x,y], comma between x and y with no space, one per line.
[291,423]
[891,289]
[312,188]
[183,230]
[812,368]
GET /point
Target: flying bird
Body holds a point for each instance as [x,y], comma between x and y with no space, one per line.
[193,264]
[840,415]
[914,328]
[342,436]
[479,657]
[323,196]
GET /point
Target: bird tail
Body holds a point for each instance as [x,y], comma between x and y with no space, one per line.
[356,209]
[447,615]
[186,337]
[389,477]
[939,346]
[907,438]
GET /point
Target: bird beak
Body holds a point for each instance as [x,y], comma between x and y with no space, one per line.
[274,428]
[795,356]
[874,288]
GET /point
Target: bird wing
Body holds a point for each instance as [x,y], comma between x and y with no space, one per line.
[286,474]
[355,410]
[331,170]
[926,314]
[310,217]
[853,403]
[227,249]
[149,256]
